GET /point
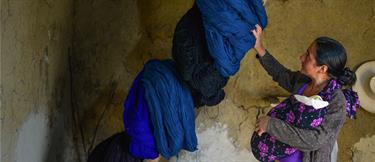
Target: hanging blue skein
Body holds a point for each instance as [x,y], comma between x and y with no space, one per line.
[193,61]
[171,108]
[228,25]
[137,123]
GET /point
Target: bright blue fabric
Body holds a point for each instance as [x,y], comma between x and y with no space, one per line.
[228,25]
[171,108]
[137,123]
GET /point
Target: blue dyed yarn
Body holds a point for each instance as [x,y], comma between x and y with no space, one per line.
[194,63]
[228,25]
[171,108]
[137,123]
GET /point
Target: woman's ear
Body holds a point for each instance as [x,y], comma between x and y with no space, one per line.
[323,69]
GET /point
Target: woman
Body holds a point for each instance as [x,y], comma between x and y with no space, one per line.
[293,131]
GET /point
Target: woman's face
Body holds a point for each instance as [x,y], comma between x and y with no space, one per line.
[308,62]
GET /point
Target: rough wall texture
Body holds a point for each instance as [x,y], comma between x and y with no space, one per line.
[35,90]
[112,39]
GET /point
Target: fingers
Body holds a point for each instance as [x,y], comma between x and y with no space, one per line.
[258,126]
[256,129]
[254,33]
[258,28]
[257,31]
[260,132]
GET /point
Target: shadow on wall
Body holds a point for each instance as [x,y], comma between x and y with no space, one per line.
[113,40]
[46,133]
[86,123]
[157,23]
[59,113]
[98,51]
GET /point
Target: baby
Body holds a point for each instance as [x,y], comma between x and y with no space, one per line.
[297,110]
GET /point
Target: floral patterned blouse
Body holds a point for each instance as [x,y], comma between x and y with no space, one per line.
[300,125]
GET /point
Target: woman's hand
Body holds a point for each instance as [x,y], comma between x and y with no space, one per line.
[261,125]
[258,43]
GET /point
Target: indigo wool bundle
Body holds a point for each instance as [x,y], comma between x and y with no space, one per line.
[170,106]
[194,62]
[228,25]
[137,123]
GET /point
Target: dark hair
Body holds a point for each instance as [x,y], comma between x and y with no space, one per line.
[332,53]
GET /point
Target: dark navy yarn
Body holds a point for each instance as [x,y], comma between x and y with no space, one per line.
[228,25]
[113,149]
[194,62]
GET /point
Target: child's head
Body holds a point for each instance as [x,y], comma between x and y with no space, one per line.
[327,57]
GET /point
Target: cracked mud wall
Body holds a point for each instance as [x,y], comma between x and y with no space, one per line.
[35,89]
[113,39]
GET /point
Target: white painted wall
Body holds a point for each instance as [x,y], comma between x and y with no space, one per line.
[32,139]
